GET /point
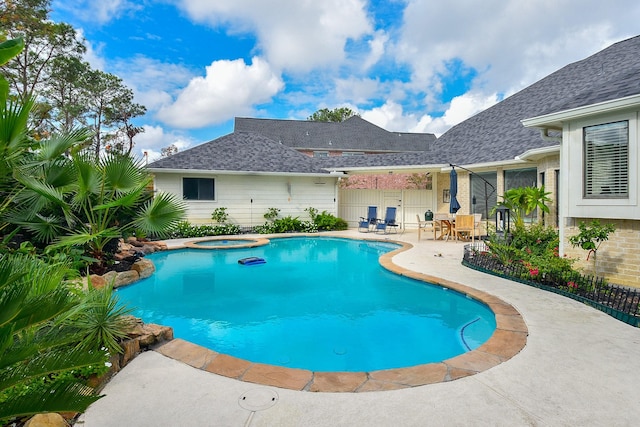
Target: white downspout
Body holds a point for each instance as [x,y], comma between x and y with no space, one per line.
[544,134]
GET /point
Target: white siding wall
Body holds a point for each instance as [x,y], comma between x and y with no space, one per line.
[573,203]
[247,198]
[353,204]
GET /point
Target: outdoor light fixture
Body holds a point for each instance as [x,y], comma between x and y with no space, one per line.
[503,221]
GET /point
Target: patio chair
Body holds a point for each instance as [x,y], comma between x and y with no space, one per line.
[388,223]
[368,224]
[465,227]
[425,226]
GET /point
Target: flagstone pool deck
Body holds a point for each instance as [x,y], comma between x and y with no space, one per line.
[577,366]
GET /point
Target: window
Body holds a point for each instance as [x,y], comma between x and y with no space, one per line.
[484,196]
[198,188]
[353,153]
[606,161]
[516,178]
[320,154]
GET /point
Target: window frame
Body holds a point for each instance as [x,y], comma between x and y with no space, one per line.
[590,163]
[199,198]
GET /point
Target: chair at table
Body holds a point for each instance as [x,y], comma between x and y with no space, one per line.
[388,223]
[365,225]
[465,227]
[442,223]
[425,226]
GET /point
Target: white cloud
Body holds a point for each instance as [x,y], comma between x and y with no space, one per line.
[511,44]
[96,11]
[229,88]
[92,53]
[357,90]
[461,108]
[294,35]
[392,117]
[376,49]
[153,82]
[155,138]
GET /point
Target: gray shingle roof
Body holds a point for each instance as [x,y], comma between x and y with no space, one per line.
[354,134]
[497,134]
[493,135]
[241,151]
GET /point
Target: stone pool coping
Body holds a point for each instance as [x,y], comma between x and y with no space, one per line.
[252,243]
[509,339]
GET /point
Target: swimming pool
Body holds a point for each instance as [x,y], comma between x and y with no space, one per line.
[323,304]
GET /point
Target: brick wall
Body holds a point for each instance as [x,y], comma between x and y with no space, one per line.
[618,258]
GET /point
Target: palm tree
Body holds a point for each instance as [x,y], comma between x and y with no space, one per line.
[523,201]
[88,202]
[48,328]
[33,349]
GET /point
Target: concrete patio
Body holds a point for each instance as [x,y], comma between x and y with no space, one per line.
[579,367]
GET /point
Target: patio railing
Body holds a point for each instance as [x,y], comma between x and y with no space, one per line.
[620,302]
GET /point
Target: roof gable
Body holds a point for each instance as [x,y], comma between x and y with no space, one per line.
[497,134]
[353,134]
[241,152]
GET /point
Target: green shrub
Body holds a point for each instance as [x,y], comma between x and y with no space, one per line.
[536,248]
[272,214]
[326,221]
[287,224]
[220,215]
[186,230]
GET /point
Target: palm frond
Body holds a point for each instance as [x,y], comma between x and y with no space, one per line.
[43,190]
[13,124]
[44,229]
[50,361]
[69,397]
[83,237]
[122,173]
[43,308]
[88,183]
[61,144]
[161,214]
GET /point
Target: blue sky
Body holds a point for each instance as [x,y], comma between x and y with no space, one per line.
[404,65]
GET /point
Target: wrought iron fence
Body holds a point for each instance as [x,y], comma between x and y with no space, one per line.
[621,302]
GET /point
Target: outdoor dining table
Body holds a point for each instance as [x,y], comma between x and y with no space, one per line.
[447,226]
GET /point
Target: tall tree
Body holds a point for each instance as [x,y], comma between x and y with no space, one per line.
[119,115]
[169,151]
[110,104]
[65,96]
[339,114]
[44,41]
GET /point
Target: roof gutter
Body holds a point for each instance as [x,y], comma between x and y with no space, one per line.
[489,166]
[386,169]
[537,153]
[205,172]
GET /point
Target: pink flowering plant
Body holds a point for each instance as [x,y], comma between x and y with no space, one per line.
[535,249]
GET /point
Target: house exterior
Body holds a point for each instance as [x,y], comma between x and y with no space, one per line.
[491,152]
[599,162]
[247,174]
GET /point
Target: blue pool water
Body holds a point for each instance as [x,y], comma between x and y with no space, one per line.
[323,304]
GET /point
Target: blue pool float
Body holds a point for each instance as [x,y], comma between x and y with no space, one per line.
[251,261]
